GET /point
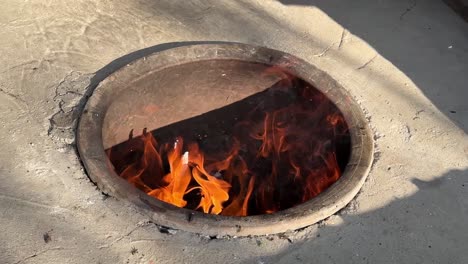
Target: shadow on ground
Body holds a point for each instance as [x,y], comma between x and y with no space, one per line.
[428,225]
[401,32]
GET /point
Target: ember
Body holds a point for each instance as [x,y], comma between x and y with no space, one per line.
[266,153]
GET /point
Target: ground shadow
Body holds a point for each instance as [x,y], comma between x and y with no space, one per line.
[423,39]
[429,225]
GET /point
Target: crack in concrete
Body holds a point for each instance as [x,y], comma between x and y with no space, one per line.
[413,5]
[70,95]
[31,203]
[367,63]
[325,51]
[13,96]
[37,254]
[61,83]
[18,66]
[343,34]
[139,225]
[340,43]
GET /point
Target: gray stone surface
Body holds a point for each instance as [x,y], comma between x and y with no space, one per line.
[404,61]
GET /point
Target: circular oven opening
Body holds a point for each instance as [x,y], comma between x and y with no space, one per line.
[225,139]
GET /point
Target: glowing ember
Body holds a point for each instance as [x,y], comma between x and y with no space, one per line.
[266,153]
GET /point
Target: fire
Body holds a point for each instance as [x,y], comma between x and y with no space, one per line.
[277,156]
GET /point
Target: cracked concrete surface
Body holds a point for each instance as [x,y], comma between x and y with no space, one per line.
[405,62]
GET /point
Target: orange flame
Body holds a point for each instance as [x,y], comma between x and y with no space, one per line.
[184,167]
[277,159]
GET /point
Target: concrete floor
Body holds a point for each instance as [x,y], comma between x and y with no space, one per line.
[405,62]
